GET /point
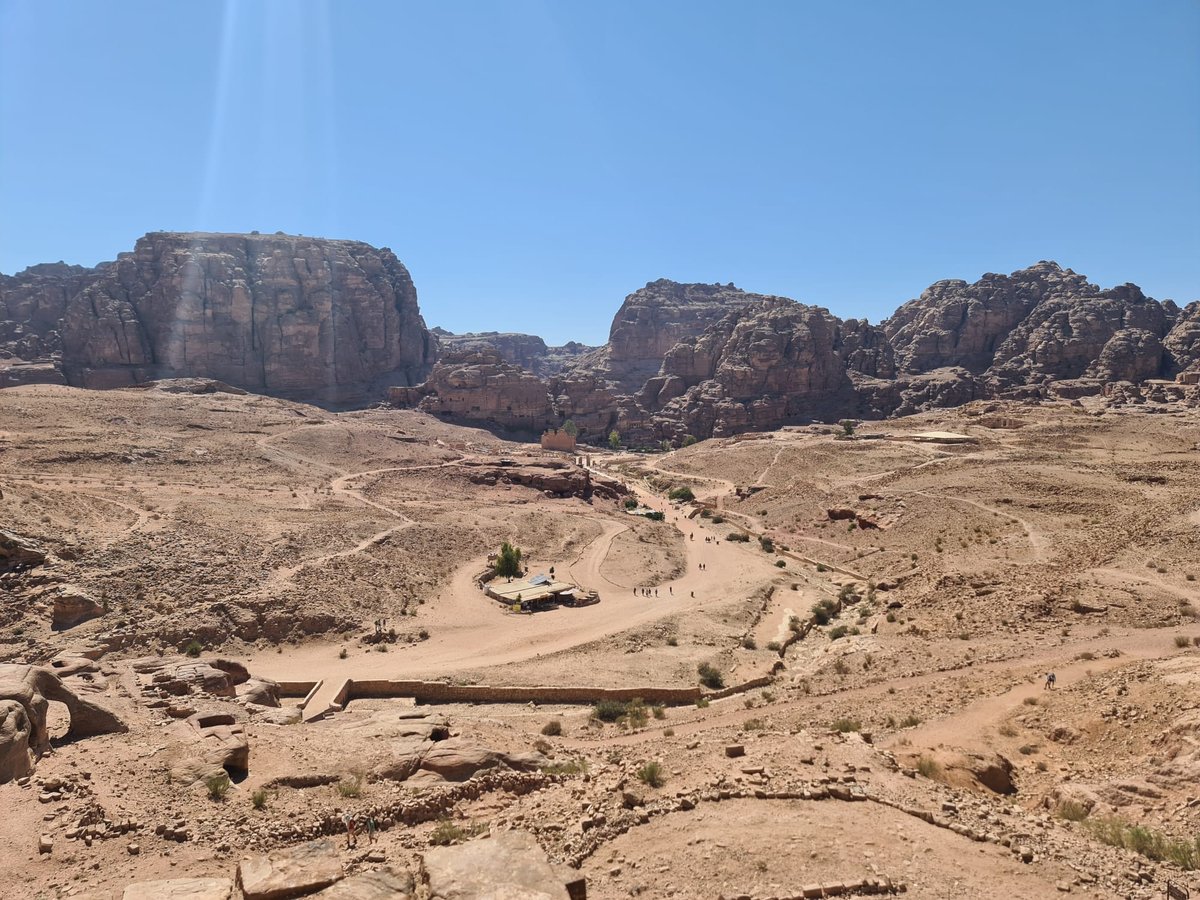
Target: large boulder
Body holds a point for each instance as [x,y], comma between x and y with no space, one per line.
[73,607]
[16,759]
[212,742]
[458,759]
[508,866]
[18,552]
[291,871]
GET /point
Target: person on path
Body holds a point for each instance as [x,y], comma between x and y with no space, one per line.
[1049,681]
[370,829]
[351,832]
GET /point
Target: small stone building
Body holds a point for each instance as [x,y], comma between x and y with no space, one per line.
[557,439]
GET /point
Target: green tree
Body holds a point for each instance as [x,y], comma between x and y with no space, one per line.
[681,493]
[614,439]
[847,427]
[508,563]
[688,440]
[570,428]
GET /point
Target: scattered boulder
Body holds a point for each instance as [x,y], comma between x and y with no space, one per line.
[510,864]
[17,552]
[290,872]
[73,607]
[260,691]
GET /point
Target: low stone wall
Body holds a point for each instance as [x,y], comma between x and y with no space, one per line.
[441,692]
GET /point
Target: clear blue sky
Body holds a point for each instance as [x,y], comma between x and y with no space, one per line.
[533,162]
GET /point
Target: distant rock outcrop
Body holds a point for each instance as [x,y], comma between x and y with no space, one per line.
[525,350]
[481,386]
[307,318]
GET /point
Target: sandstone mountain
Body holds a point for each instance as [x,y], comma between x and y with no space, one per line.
[713,360]
[323,320]
[336,322]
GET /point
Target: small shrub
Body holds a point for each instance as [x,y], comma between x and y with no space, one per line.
[672,641]
[928,767]
[343,653]
[823,610]
[652,774]
[1182,640]
[821,567]
[193,649]
[423,634]
[259,799]
[1030,701]
[1007,730]
[659,712]
[710,677]
[631,503]
[754,725]
[843,726]
[718,520]
[766,544]
[668,732]
[553,728]
[350,787]
[655,516]
[566,767]
[748,643]
[1190,577]
[910,721]
[780,564]
[774,646]
[608,710]
[218,786]
[1027,749]
[683,493]
[839,632]
[702,703]
[542,747]
[891,617]
[446,833]
[840,666]
[1072,811]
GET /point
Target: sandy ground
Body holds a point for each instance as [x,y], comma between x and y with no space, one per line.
[274,534]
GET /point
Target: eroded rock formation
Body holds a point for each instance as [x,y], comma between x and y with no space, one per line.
[320,320]
[25,696]
[704,360]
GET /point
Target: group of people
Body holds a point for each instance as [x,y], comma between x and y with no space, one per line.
[647,592]
[353,825]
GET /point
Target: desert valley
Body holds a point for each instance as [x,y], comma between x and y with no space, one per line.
[781,624]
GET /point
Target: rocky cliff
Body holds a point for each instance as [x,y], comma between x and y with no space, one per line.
[714,360]
[319,320]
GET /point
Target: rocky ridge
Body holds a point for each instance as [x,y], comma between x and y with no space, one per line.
[713,360]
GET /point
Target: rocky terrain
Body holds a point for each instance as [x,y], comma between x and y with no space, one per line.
[227,621]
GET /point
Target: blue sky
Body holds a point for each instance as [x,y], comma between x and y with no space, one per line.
[533,162]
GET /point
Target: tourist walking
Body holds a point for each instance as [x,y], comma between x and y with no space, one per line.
[370,829]
[351,831]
